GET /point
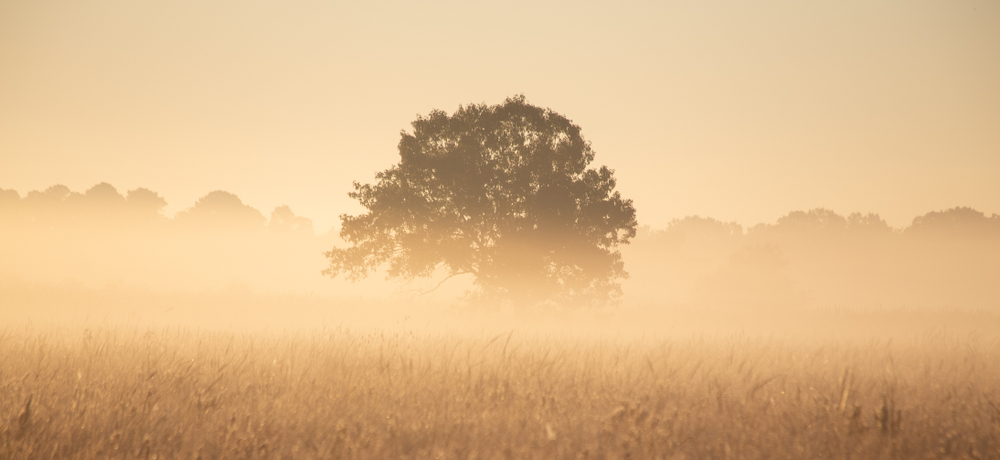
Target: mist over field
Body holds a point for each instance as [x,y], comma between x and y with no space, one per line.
[99,252]
[212,333]
[514,230]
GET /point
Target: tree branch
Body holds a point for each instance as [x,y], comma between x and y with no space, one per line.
[442,282]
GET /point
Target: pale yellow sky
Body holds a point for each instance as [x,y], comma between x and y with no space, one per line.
[735,110]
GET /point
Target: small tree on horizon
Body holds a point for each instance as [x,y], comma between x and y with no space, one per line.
[500,192]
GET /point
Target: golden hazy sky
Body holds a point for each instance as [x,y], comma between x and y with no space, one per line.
[736,110]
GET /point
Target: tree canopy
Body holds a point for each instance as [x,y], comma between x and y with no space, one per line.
[221,210]
[501,192]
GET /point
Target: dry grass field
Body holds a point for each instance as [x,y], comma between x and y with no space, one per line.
[171,393]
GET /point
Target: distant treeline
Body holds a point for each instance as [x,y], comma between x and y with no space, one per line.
[58,206]
[102,205]
[807,258]
[822,259]
[103,237]
[959,222]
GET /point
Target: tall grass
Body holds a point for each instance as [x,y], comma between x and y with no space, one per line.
[177,394]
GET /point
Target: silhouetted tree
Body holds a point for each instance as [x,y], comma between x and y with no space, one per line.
[501,192]
[52,197]
[284,220]
[104,195]
[47,208]
[818,227]
[819,219]
[701,231]
[9,199]
[956,222]
[222,211]
[100,205]
[145,205]
[868,224]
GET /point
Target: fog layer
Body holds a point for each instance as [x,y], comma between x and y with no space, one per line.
[56,240]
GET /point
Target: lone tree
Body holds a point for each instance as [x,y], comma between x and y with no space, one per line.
[501,192]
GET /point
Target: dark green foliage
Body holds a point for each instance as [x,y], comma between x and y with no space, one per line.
[500,192]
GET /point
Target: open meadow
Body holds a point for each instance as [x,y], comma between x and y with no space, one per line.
[321,230]
[174,392]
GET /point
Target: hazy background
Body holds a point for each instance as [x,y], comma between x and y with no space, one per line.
[739,111]
[203,150]
[817,187]
[101,251]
